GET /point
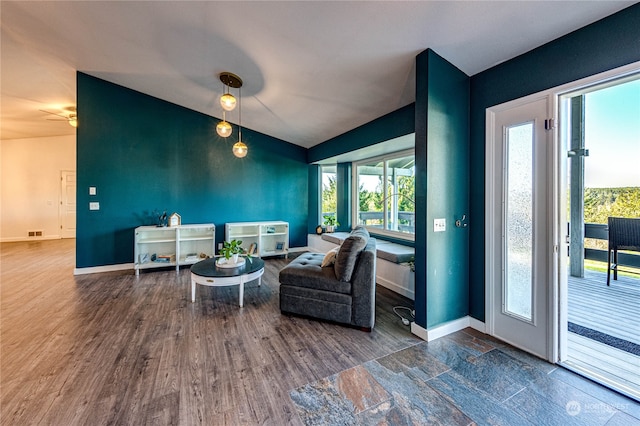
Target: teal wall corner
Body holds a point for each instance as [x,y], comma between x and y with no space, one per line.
[144,154]
[442,190]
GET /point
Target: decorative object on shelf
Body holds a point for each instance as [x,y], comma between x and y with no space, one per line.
[162,217]
[319,230]
[190,257]
[330,222]
[175,220]
[253,248]
[271,229]
[280,245]
[228,103]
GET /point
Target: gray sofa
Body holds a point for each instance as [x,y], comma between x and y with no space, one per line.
[344,292]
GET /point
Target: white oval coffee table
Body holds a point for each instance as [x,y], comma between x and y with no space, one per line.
[207,272]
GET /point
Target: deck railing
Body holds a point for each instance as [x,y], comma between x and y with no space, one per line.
[599,231]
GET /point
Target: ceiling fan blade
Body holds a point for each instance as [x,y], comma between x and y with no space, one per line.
[53,113]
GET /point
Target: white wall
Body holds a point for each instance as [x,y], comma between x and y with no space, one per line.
[30,191]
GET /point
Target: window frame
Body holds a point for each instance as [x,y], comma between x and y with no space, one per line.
[355,199]
[321,192]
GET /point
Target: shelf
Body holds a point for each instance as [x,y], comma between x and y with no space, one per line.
[149,265]
[203,238]
[257,233]
[156,240]
[235,236]
[177,240]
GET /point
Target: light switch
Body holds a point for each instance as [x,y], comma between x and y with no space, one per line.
[92,190]
[439,225]
[94,205]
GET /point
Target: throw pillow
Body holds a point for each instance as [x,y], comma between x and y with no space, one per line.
[330,257]
[348,255]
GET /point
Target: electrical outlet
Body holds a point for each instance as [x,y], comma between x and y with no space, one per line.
[92,190]
[219,246]
[439,225]
[94,205]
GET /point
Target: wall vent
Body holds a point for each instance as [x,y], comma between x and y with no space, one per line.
[33,234]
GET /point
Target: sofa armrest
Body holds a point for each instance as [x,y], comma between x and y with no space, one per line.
[363,285]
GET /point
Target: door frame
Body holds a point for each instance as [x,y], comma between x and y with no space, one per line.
[62,211]
[557,300]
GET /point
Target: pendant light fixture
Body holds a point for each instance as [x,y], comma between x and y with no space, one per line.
[239,148]
[228,103]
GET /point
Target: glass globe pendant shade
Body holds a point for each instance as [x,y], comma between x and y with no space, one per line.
[224,129]
[228,102]
[73,122]
[240,149]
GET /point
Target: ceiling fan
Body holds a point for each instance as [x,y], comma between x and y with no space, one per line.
[71,116]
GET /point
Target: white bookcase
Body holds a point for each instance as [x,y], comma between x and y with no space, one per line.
[157,247]
[270,238]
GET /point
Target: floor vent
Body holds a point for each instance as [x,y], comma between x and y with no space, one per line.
[34,233]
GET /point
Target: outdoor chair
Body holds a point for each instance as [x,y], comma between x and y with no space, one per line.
[624,234]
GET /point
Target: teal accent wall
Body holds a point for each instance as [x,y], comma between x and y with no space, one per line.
[389,126]
[442,190]
[604,45]
[142,153]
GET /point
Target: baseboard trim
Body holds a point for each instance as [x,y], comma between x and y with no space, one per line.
[30,239]
[477,325]
[395,287]
[446,328]
[106,268]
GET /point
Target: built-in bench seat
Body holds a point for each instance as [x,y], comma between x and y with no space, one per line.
[393,252]
[392,270]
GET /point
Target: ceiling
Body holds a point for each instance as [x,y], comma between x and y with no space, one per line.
[311,70]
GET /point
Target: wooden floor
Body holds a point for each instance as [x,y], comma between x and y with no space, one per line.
[114,348]
[615,311]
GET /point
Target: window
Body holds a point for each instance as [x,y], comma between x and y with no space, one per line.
[385,201]
[329,194]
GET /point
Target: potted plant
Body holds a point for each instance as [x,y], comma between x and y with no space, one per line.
[232,249]
[330,222]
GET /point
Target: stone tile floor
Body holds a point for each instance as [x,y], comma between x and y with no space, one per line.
[462,379]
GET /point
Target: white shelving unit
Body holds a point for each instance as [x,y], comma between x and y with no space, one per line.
[157,247]
[271,238]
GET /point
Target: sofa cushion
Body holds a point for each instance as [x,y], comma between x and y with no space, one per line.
[348,253]
[396,253]
[330,257]
[305,271]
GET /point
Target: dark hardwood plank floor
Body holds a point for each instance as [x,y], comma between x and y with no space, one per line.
[113,348]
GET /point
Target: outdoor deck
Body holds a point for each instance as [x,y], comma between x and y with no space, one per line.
[611,315]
